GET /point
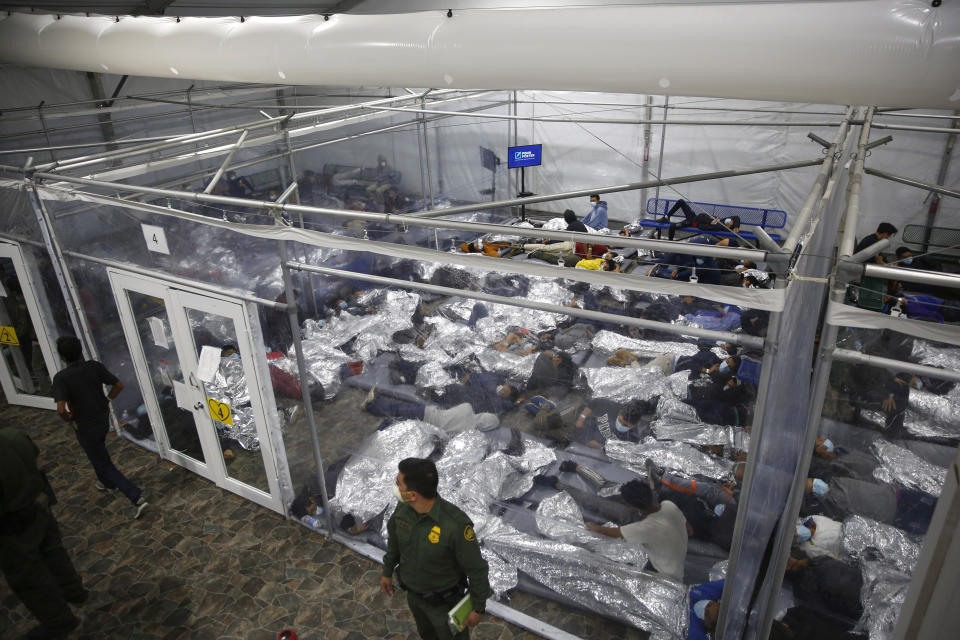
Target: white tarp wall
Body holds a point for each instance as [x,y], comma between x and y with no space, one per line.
[582,155]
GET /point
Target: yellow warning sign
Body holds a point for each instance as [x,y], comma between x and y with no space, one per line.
[8,336]
[220,411]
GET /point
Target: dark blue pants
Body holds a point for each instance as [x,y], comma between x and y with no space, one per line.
[388,408]
[93,441]
[914,510]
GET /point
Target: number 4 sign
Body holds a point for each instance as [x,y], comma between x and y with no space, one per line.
[156,238]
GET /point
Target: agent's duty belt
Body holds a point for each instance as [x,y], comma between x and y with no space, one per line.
[440,597]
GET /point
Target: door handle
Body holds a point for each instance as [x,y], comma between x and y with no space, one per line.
[198,406]
[193,381]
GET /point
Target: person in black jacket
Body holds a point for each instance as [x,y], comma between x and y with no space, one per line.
[32,556]
[78,392]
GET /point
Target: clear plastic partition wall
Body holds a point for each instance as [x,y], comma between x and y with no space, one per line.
[556,430]
[887,438]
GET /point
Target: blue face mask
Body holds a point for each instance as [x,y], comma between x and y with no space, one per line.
[342,304]
[234,356]
[699,260]
[803,534]
[907,260]
[828,445]
[719,509]
[724,367]
[820,487]
[620,427]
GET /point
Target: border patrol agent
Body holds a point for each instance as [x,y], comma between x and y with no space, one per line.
[32,556]
[436,549]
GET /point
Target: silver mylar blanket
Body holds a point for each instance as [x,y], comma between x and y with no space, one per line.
[681,429]
[624,385]
[887,557]
[895,545]
[367,483]
[883,594]
[608,587]
[676,456]
[229,386]
[609,341]
[904,468]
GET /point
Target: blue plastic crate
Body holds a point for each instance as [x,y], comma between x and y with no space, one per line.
[749,371]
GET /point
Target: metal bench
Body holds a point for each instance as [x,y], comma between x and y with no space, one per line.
[933,238]
[765,218]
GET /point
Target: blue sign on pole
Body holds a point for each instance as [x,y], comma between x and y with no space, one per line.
[525,156]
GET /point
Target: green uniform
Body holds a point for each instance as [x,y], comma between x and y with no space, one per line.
[32,556]
[432,553]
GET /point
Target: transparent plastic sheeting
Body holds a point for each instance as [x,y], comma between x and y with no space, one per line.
[887,557]
[928,415]
[477,475]
[904,468]
[766,299]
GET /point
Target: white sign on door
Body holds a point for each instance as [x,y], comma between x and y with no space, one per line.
[156,238]
[209,363]
[159,332]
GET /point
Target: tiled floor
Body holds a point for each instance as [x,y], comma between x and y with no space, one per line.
[204,563]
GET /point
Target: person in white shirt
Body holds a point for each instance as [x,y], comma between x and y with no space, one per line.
[820,536]
[662,532]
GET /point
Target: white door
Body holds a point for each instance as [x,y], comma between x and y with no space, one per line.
[213,421]
[28,360]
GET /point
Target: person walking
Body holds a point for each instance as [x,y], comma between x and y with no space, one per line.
[78,392]
[32,556]
[434,550]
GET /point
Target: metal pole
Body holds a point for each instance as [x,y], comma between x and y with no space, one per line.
[903,127]
[941,178]
[46,134]
[177,141]
[68,287]
[846,355]
[523,190]
[735,338]
[426,153]
[193,123]
[628,121]
[817,191]
[913,183]
[658,245]
[645,163]
[423,175]
[856,181]
[304,381]
[226,162]
[627,107]
[938,279]
[663,139]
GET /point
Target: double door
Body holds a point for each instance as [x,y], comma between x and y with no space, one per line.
[202,383]
[27,358]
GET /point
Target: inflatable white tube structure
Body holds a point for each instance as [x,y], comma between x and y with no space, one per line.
[900,53]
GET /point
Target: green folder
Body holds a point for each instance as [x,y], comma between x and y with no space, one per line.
[457,616]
